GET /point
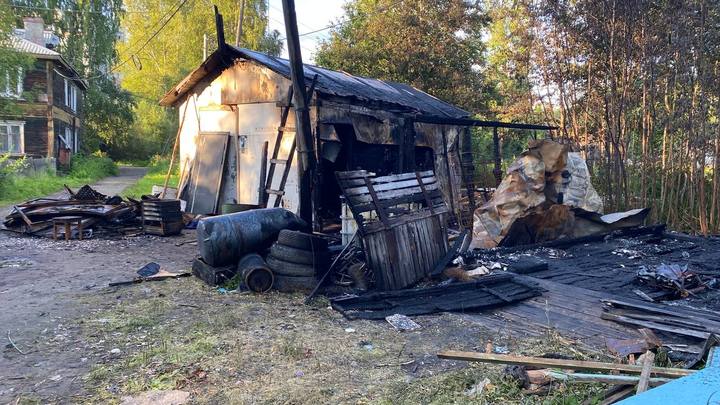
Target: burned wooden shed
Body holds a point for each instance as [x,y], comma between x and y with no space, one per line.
[237,134]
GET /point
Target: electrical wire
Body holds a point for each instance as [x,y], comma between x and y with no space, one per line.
[147,41]
[374,12]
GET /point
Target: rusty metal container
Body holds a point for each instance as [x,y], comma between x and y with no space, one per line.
[224,239]
[255,273]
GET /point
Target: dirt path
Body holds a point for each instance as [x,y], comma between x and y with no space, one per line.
[39,283]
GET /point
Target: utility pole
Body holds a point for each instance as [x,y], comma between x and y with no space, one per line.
[238,32]
[303,136]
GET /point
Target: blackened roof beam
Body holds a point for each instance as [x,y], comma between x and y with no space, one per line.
[470,122]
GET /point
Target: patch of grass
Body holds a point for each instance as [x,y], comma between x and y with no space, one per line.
[270,348]
[83,170]
[157,170]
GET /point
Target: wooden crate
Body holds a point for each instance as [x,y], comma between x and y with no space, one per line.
[409,236]
[162,228]
[162,217]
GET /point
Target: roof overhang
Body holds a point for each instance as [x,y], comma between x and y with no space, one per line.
[173,97]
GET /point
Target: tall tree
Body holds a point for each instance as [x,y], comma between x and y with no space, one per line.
[634,86]
[10,59]
[176,49]
[434,45]
[89,31]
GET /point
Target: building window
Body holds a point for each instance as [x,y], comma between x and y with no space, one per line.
[70,95]
[12,134]
[11,83]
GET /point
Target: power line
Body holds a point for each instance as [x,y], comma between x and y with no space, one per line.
[164,24]
[375,12]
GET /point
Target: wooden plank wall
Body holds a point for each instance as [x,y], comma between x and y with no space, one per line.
[409,235]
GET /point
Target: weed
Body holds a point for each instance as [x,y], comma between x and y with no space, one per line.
[157,171]
[84,169]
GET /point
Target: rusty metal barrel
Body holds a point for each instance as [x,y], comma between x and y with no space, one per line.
[255,273]
[224,239]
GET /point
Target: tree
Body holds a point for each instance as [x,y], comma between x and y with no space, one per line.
[175,51]
[634,86]
[89,31]
[10,59]
[433,45]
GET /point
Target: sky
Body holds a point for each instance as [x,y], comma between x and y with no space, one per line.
[311,15]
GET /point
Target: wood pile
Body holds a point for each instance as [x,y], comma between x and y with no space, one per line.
[35,217]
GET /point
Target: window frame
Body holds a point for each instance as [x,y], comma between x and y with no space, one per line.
[17,92]
[71,91]
[8,125]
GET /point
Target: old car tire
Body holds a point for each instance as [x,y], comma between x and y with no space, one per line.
[290,283]
[283,268]
[300,256]
[299,240]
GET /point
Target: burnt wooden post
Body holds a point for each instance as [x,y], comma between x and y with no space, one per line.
[497,171]
[468,166]
[302,114]
[406,136]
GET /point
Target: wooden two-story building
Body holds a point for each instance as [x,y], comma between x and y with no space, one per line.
[48,120]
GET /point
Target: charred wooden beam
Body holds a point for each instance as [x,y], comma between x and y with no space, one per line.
[480,123]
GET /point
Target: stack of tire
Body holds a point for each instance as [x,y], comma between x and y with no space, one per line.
[297,260]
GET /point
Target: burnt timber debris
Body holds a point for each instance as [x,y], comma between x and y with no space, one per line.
[84,212]
[488,292]
[382,218]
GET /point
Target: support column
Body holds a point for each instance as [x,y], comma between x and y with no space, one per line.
[306,160]
[49,65]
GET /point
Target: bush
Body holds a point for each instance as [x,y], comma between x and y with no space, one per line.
[157,170]
[91,167]
[83,170]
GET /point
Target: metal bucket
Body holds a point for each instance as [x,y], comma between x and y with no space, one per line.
[255,273]
[224,239]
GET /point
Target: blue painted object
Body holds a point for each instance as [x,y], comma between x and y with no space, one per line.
[700,388]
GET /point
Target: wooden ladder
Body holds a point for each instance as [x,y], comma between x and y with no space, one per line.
[275,160]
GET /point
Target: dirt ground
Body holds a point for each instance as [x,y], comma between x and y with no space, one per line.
[85,342]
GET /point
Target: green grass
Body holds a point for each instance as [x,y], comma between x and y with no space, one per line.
[83,170]
[157,170]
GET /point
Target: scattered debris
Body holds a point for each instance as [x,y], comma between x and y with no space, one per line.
[85,210]
[678,321]
[477,388]
[674,278]
[698,388]
[402,322]
[150,272]
[14,345]
[561,363]
[488,292]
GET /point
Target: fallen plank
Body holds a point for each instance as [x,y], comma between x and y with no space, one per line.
[655,326]
[691,313]
[560,363]
[604,378]
[647,365]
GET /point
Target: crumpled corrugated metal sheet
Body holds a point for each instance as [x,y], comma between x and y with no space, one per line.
[343,84]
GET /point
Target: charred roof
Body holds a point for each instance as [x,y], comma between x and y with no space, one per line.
[329,82]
